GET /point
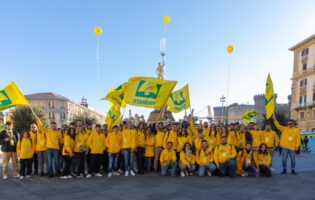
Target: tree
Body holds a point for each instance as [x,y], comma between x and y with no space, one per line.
[86,119]
[23,117]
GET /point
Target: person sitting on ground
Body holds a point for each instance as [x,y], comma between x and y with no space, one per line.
[263,160]
[168,160]
[245,163]
[187,160]
[205,160]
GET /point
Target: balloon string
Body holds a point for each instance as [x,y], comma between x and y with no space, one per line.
[228,80]
[97,65]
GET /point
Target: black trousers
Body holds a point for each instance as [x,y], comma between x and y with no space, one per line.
[80,160]
[26,165]
[67,164]
[95,162]
[264,171]
[35,163]
[140,159]
[105,161]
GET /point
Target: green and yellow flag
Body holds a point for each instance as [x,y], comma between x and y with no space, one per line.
[179,100]
[269,98]
[246,117]
[148,92]
[113,116]
[116,96]
[11,96]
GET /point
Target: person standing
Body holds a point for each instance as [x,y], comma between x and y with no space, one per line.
[40,141]
[8,141]
[140,147]
[67,152]
[158,145]
[25,150]
[243,138]
[128,146]
[149,148]
[80,149]
[271,139]
[33,134]
[113,144]
[256,135]
[290,142]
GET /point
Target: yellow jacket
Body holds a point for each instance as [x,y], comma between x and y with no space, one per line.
[257,138]
[192,129]
[187,159]
[204,158]
[39,139]
[218,138]
[149,146]
[181,140]
[262,159]
[53,138]
[25,148]
[113,142]
[211,141]
[197,143]
[270,138]
[205,132]
[68,146]
[140,138]
[80,140]
[96,142]
[241,140]
[158,139]
[167,157]
[222,152]
[243,157]
[170,137]
[290,138]
[128,138]
[232,138]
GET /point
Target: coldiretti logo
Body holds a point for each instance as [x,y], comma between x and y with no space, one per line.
[4,99]
[178,99]
[112,115]
[148,89]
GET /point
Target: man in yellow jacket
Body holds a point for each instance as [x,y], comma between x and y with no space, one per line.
[113,144]
[168,160]
[158,144]
[128,146]
[271,139]
[290,142]
[224,158]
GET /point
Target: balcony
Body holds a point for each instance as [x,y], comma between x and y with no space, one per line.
[304,106]
[304,58]
[303,88]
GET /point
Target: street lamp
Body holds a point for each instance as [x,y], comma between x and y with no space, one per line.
[222,100]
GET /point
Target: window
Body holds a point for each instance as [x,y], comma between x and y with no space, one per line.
[51,104]
[62,104]
[303,83]
[304,52]
[62,115]
[51,115]
[302,100]
[304,66]
[301,115]
[313,97]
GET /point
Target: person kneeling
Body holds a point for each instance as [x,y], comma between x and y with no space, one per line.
[263,160]
[224,157]
[205,159]
[168,160]
[245,163]
[187,160]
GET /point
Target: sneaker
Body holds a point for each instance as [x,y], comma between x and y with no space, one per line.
[63,177]
[28,176]
[272,169]
[21,177]
[69,176]
[284,172]
[116,174]
[89,176]
[293,172]
[120,171]
[17,176]
[132,173]
[110,175]
[5,177]
[243,175]
[182,174]
[209,173]
[98,175]
[126,173]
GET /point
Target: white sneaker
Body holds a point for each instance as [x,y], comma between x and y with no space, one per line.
[132,173]
[110,175]
[69,176]
[209,173]
[182,174]
[89,176]
[63,177]
[17,176]
[5,177]
[116,174]
[120,171]
[28,176]
[272,169]
[21,177]
[126,173]
[98,175]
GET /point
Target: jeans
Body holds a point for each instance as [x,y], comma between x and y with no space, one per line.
[128,156]
[228,168]
[148,163]
[250,169]
[53,161]
[157,153]
[285,153]
[113,162]
[42,162]
[202,169]
[67,164]
[165,169]
[26,165]
[272,152]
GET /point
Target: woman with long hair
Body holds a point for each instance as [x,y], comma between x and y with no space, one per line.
[263,160]
[68,152]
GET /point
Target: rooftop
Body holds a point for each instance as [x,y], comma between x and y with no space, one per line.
[302,42]
[46,95]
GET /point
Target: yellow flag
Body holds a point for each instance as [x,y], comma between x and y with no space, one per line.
[148,92]
[113,116]
[11,96]
[179,100]
[248,116]
[269,98]
[116,96]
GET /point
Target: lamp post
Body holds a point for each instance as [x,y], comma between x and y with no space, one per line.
[222,100]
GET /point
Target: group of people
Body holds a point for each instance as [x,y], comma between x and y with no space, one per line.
[183,149]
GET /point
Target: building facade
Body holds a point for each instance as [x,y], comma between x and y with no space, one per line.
[60,109]
[303,84]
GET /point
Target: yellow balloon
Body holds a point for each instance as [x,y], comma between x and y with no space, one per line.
[230,48]
[98,30]
[166,19]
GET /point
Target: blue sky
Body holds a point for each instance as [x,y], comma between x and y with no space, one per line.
[50,46]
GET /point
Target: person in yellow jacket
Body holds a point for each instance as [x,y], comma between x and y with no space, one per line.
[271,139]
[128,146]
[80,149]
[53,144]
[149,148]
[232,135]
[113,144]
[211,137]
[198,142]
[204,158]
[171,136]
[168,160]
[224,158]
[181,140]
[25,150]
[158,144]
[257,136]
[245,162]
[290,141]
[140,147]
[68,152]
[97,144]
[195,131]
[187,160]
[243,138]
[263,160]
